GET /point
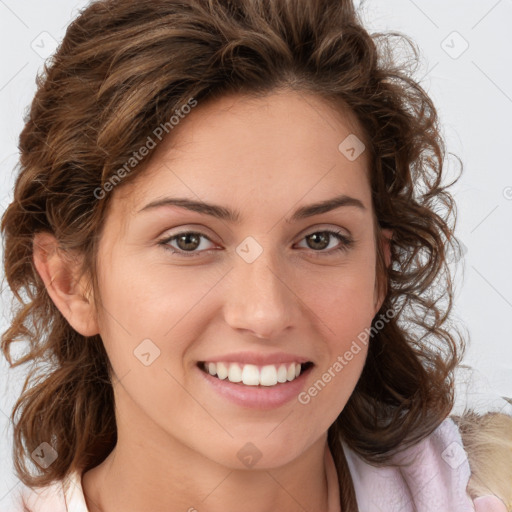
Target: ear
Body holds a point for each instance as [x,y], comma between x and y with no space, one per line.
[385,248]
[58,270]
[385,241]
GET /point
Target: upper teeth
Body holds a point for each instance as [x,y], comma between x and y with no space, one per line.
[252,375]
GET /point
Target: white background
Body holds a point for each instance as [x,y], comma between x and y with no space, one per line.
[473,93]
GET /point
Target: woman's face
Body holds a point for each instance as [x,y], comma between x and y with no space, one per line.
[268,288]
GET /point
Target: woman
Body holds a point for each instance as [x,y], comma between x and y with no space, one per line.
[232,234]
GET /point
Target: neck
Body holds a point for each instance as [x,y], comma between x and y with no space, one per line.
[136,476]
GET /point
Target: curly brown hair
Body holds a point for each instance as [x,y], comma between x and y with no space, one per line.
[123,67]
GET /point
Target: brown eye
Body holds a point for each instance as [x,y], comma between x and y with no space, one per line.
[320,240]
[186,242]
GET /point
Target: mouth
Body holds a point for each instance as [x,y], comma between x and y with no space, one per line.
[270,375]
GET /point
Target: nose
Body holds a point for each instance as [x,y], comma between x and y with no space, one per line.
[259,299]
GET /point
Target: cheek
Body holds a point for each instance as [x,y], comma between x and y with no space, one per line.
[343,308]
[156,302]
[343,298]
[347,314]
[149,299]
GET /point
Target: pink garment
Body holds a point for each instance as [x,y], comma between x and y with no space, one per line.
[435,481]
[54,499]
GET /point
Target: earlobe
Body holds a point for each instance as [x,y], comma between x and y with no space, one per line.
[58,270]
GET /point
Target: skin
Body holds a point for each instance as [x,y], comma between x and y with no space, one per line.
[177,439]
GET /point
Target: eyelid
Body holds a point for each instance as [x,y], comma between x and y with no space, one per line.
[325,227]
[200,229]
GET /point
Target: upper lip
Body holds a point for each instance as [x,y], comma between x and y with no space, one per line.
[258,358]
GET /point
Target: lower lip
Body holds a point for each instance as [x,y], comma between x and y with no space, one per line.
[257,397]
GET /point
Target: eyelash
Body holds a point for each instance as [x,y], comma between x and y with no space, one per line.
[346,244]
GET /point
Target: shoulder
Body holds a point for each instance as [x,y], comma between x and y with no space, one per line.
[432,475]
[60,496]
[42,499]
[487,439]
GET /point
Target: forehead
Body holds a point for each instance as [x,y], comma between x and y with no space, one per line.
[260,153]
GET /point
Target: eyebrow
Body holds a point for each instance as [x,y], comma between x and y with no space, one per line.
[234,216]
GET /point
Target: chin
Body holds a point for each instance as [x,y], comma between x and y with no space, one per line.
[261,452]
